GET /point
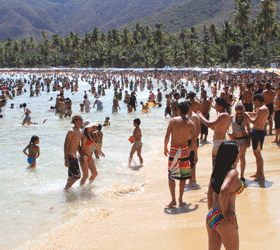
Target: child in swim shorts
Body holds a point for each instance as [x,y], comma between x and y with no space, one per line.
[33,151]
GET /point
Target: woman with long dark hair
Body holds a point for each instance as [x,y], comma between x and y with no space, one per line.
[224,184]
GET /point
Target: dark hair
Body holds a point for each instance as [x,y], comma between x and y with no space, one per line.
[137,121]
[191,95]
[87,134]
[33,139]
[108,117]
[184,107]
[221,101]
[99,127]
[250,85]
[226,157]
[268,85]
[258,97]
[24,105]
[239,107]
[176,94]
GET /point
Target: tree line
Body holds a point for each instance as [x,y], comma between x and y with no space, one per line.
[241,42]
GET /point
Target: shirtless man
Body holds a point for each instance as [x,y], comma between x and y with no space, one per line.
[269,95]
[167,108]
[27,112]
[277,115]
[71,146]
[193,153]
[220,125]
[195,103]
[258,133]
[226,95]
[181,129]
[174,105]
[247,97]
[206,107]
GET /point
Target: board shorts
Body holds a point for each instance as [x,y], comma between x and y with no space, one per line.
[270,108]
[179,165]
[248,107]
[257,139]
[73,170]
[277,119]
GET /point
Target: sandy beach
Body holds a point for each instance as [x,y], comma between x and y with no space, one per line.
[137,218]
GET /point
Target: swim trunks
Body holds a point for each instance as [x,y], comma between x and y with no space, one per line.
[73,170]
[99,144]
[192,154]
[277,119]
[270,107]
[138,144]
[167,111]
[257,139]
[28,118]
[204,128]
[248,107]
[30,160]
[179,166]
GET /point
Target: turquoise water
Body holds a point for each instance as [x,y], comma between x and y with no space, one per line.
[33,201]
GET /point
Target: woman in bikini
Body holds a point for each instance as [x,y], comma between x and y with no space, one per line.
[240,134]
[224,184]
[86,160]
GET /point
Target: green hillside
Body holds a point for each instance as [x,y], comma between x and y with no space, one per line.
[25,18]
[192,13]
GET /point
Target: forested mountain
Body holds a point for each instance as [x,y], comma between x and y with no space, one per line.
[25,18]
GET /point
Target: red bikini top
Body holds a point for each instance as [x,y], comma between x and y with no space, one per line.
[88,143]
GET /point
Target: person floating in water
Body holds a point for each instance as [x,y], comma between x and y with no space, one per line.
[33,151]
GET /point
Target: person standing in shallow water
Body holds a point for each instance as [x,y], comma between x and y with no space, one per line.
[71,147]
[137,142]
[33,151]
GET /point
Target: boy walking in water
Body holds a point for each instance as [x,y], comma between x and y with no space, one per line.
[137,143]
[71,146]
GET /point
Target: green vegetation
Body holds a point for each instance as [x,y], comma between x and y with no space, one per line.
[240,42]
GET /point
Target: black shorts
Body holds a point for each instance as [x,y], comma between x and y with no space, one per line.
[270,107]
[167,111]
[277,119]
[248,107]
[257,139]
[73,170]
[204,128]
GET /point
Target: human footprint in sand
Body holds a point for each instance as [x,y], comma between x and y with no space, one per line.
[181,129]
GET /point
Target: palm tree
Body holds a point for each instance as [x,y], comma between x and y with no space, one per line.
[266,23]
[242,13]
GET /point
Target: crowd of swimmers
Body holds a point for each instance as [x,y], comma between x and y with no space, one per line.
[243,118]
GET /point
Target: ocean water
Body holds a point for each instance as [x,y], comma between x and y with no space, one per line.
[33,201]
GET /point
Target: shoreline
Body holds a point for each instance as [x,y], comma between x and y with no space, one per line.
[140,220]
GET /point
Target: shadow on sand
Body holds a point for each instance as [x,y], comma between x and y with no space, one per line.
[181,209]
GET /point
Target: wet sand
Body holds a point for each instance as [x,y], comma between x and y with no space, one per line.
[137,218]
